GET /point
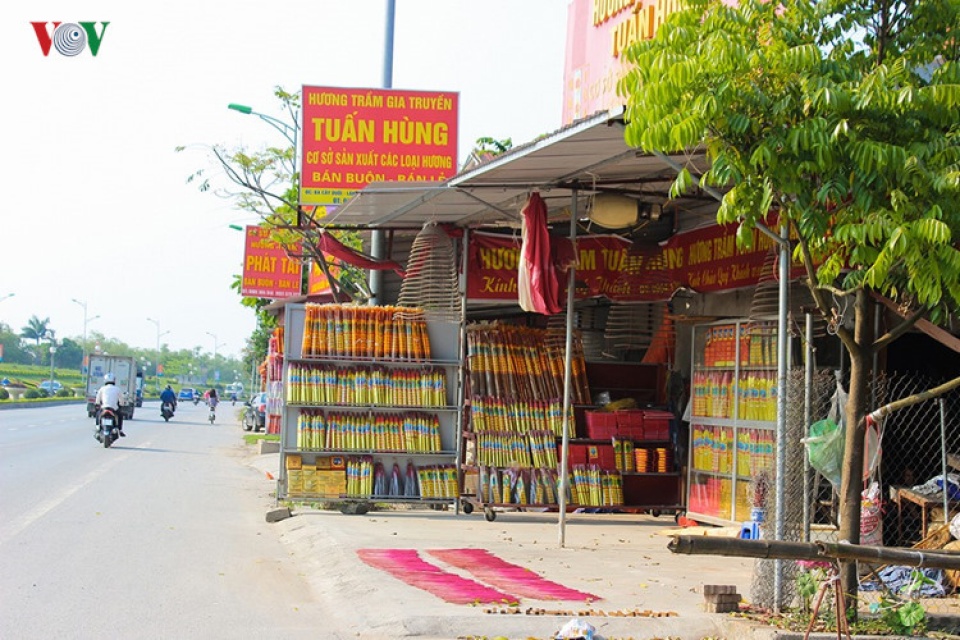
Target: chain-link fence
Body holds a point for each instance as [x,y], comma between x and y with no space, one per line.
[912,447]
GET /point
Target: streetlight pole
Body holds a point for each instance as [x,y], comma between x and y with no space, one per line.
[159,335]
[83,363]
[215,344]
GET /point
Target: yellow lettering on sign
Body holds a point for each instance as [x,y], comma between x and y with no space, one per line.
[261,263]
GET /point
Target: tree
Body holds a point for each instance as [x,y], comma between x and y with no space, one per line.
[841,118]
[37,330]
[269,187]
[12,351]
[266,183]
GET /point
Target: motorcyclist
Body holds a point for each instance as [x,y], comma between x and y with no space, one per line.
[109,397]
[212,399]
[168,396]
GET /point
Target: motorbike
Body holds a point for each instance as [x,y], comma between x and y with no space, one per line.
[107,430]
[196,400]
[166,410]
[213,411]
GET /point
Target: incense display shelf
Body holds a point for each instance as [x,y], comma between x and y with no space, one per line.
[385,386]
[733,416]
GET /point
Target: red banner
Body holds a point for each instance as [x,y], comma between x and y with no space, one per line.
[267,271]
[704,260]
[352,137]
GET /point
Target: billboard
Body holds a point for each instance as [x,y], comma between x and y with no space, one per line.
[598,31]
[267,271]
[352,137]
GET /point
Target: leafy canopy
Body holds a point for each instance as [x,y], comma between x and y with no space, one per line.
[842,116]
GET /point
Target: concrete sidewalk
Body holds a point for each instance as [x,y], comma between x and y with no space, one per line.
[622,559]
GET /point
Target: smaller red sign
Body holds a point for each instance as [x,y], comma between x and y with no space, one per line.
[267,271]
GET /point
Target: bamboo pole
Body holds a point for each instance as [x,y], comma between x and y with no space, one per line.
[775,549]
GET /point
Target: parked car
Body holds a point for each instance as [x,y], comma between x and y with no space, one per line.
[45,385]
[255,412]
[187,394]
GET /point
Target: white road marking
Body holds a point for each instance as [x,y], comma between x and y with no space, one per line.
[17,525]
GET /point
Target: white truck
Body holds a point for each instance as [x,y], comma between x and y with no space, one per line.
[128,377]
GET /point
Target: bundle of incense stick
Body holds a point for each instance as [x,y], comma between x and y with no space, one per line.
[508,361]
[438,481]
[311,431]
[499,414]
[596,487]
[325,384]
[360,476]
[348,331]
[351,431]
[503,449]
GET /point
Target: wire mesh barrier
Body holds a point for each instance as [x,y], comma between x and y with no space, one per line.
[911,452]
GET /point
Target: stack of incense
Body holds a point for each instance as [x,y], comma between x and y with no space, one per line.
[438,481]
[543,448]
[503,449]
[351,431]
[500,414]
[507,361]
[360,477]
[311,431]
[597,488]
[328,384]
[347,331]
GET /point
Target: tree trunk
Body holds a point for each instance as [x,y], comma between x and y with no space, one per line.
[853,452]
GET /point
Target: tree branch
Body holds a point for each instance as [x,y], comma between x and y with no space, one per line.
[898,330]
[917,398]
[817,291]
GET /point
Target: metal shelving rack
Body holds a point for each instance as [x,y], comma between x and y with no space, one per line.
[444,340]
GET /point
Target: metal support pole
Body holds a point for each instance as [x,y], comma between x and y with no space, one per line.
[378,239]
[461,370]
[567,383]
[807,418]
[781,460]
[943,461]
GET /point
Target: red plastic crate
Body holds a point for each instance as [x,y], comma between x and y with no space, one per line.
[601,424]
[656,425]
[630,423]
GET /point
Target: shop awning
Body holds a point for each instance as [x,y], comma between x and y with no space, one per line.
[589,156]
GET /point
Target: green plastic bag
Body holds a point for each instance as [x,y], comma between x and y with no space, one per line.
[825,450]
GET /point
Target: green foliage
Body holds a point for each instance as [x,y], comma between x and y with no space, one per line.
[4,394]
[492,146]
[33,394]
[853,140]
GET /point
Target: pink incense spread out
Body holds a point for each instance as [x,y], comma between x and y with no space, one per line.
[510,577]
[407,565]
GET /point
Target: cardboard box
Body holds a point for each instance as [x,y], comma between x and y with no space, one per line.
[338,462]
[294,461]
[323,462]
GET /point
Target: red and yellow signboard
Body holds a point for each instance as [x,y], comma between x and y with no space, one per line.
[352,137]
[267,271]
[704,260]
[598,31]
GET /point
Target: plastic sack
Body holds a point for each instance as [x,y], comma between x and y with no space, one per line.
[576,629]
[871,517]
[825,450]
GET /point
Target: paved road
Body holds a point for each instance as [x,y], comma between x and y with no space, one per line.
[161,536]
